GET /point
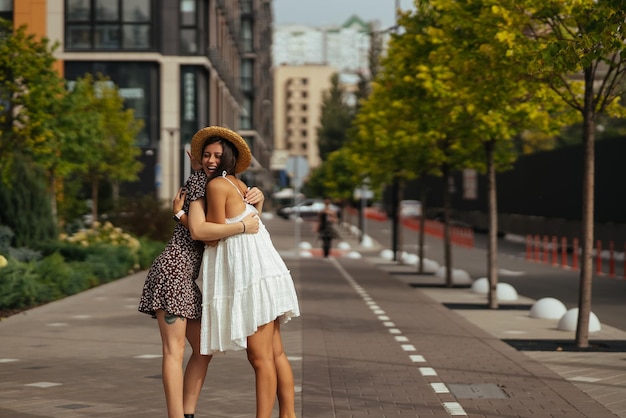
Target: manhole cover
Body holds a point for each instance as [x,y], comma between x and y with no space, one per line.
[476,391]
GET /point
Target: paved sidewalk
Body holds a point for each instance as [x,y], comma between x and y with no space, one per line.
[374,340]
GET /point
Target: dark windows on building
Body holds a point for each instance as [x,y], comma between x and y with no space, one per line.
[194,106]
[138,85]
[247,36]
[247,75]
[6,9]
[189,27]
[109,25]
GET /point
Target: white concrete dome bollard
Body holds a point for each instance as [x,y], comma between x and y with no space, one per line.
[410,258]
[458,276]
[505,292]
[569,321]
[430,266]
[481,286]
[304,245]
[343,245]
[461,277]
[367,241]
[547,308]
[354,254]
[306,254]
[386,254]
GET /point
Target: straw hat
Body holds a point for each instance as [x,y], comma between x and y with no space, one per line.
[245,156]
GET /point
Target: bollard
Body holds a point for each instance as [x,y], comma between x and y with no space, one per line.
[564,252]
[537,246]
[554,251]
[545,249]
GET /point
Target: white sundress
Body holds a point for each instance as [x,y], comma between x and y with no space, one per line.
[246,284]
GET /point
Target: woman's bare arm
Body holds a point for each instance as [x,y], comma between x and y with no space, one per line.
[202,230]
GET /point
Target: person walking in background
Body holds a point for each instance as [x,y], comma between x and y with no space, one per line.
[326,230]
[171,295]
[248,291]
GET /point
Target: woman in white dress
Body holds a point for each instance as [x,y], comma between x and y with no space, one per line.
[248,291]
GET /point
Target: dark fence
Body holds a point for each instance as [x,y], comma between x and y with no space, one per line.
[543,190]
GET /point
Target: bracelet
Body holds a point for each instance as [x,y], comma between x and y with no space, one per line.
[244,227]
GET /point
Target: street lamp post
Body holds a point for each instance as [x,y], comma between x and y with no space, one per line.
[173,177]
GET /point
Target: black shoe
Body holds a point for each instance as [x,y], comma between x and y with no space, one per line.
[188,415]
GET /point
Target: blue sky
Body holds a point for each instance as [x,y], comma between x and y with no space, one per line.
[320,12]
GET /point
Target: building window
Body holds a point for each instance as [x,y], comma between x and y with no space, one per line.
[109,25]
[247,75]
[6,10]
[246,36]
[188,27]
[138,85]
[246,114]
[246,6]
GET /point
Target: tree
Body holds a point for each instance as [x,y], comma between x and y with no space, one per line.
[335,120]
[578,49]
[29,89]
[105,149]
[492,100]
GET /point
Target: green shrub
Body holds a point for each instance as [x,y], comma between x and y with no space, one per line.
[110,262]
[144,217]
[20,287]
[148,251]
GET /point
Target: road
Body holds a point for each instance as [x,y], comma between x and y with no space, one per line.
[608,294]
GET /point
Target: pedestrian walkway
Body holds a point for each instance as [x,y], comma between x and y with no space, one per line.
[374,340]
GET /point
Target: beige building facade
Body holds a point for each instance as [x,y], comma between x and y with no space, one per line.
[298,94]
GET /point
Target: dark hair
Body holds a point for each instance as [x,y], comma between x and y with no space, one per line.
[228,161]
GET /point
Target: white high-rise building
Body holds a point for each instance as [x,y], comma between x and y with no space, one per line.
[344,47]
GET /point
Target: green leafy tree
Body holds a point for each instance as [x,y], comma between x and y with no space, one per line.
[105,148]
[578,49]
[29,91]
[24,205]
[492,99]
[335,120]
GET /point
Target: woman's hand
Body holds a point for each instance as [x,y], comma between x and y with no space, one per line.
[252,223]
[195,164]
[179,200]
[254,196]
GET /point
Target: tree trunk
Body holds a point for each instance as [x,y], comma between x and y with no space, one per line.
[447,247]
[116,193]
[586,277]
[492,244]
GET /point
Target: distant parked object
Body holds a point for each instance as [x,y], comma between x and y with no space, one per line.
[310,208]
[410,208]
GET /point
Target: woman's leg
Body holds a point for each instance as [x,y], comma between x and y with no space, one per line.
[261,357]
[195,372]
[286,389]
[326,245]
[173,329]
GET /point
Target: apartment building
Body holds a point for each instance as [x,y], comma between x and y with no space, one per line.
[180,64]
[304,59]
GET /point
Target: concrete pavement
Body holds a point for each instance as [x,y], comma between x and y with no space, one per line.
[374,340]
